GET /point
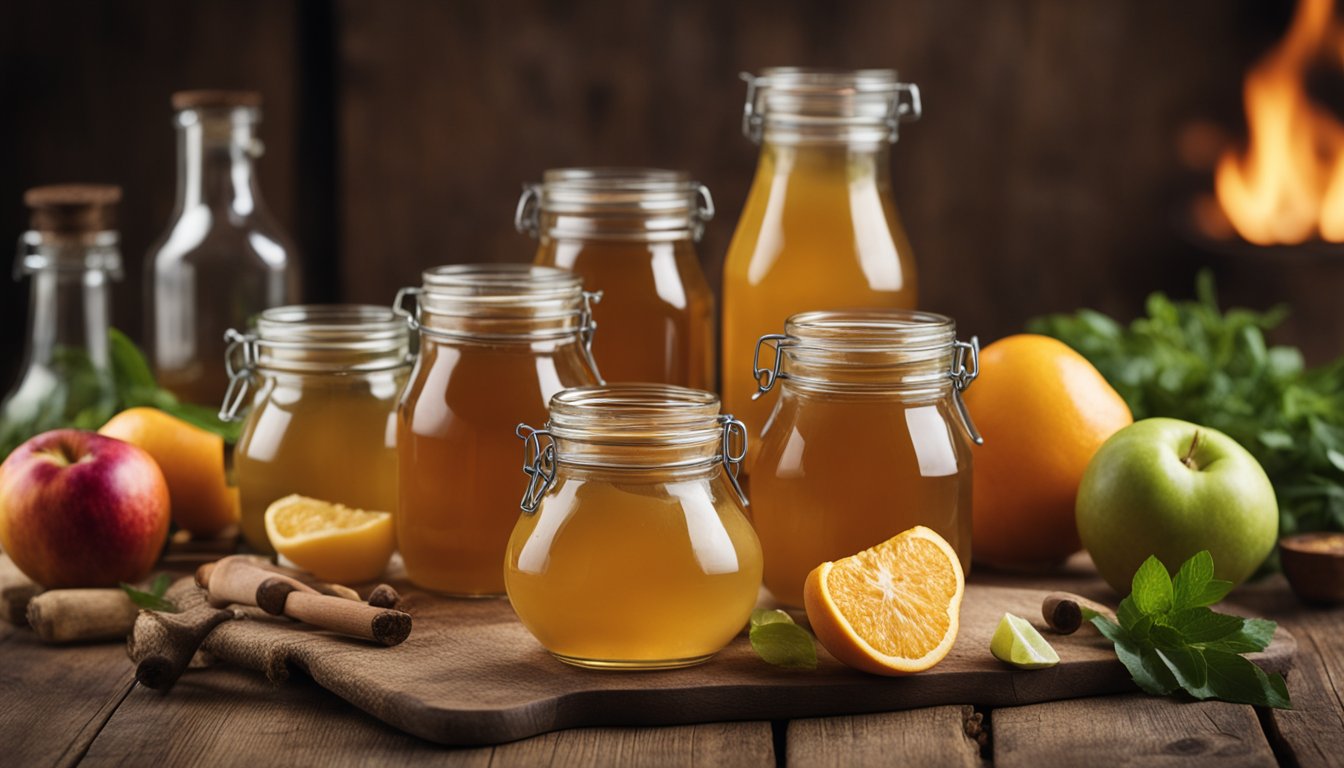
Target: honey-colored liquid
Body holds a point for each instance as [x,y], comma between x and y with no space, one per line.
[656,318]
[819,231]
[634,574]
[328,437]
[461,464]
[837,474]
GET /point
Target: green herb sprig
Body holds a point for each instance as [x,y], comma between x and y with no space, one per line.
[152,599]
[1169,639]
[779,641]
[1190,360]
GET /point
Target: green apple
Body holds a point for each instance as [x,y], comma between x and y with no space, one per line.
[1170,488]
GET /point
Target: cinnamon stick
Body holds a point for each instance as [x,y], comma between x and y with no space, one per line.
[1063,611]
[74,615]
[278,597]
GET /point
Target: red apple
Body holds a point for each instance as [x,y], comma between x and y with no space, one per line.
[81,510]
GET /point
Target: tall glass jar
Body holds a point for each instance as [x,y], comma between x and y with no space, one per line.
[323,419]
[630,233]
[819,228]
[71,253]
[223,258]
[869,437]
[633,551]
[496,342]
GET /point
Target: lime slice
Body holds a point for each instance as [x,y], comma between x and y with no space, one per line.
[1018,643]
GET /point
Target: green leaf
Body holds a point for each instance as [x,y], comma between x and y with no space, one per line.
[129,367]
[1188,586]
[784,644]
[148,600]
[762,616]
[1152,589]
[1128,613]
[1254,635]
[1201,625]
[1187,665]
[159,586]
[1233,678]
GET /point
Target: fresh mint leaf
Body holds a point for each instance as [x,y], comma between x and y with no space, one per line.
[129,367]
[1152,589]
[784,644]
[762,616]
[148,600]
[159,586]
[1169,639]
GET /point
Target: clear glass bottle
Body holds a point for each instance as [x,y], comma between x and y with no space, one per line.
[496,342]
[633,551]
[869,437]
[322,423]
[820,228]
[630,233]
[223,259]
[71,252]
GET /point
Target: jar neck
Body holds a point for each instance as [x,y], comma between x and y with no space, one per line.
[842,167]
[215,153]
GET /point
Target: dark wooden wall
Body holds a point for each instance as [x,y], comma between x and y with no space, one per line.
[1043,177]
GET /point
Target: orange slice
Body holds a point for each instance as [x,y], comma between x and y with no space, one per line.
[331,541]
[892,609]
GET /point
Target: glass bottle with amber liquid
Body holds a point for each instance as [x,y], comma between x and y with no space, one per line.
[819,229]
[223,259]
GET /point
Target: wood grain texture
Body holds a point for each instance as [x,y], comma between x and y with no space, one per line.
[226,716]
[1311,734]
[933,736]
[1133,730]
[54,701]
[470,674]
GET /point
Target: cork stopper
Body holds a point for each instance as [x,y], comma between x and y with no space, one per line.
[73,208]
[216,99]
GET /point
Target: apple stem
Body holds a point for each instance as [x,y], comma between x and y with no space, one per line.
[1189,459]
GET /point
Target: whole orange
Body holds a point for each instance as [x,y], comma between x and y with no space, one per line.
[1043,410]
[192,461]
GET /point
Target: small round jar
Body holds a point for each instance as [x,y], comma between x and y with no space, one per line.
[496,342]
[323,416]
[633,550]
[869,437]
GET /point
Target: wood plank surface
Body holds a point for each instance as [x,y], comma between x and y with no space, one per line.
[55,700]
[226,715]
[1128,730]
[932,736]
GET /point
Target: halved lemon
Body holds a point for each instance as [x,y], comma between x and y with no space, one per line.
[892,609]
[331,541]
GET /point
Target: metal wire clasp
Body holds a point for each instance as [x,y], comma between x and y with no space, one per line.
[766,377]
[412,316]
[538,465]
[587,328]
[703,213]
[240,361]
[753,122]
[962,377]
[734,450]
[527,216]
[905,108]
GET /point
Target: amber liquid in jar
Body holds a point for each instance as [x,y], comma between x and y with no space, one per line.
[458,452]
[819,229]
[323,421]
[861,446]
[640,564]
[630,233]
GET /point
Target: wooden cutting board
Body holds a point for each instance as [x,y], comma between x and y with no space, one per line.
[470,674]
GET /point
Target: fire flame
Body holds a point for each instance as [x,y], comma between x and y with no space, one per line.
[1289,185]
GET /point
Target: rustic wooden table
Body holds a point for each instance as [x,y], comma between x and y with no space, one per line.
[80,705]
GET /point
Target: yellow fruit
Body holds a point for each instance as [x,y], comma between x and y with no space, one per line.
[892,609]
[192,461]
[1044,410]
[332,541]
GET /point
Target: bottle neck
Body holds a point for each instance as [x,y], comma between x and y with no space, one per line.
[215,153]
[839,166]
[69,312]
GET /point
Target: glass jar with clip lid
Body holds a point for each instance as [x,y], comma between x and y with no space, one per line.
[496,342]
[633,551]
[869,437]
[324,381]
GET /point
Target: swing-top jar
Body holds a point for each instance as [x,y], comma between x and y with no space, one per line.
[869,437]
[633,551]
[323,416]
[631,233]
[496,342]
